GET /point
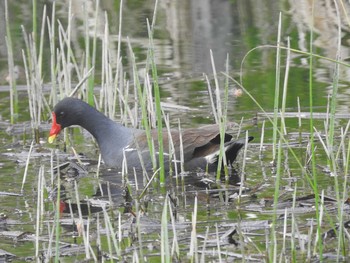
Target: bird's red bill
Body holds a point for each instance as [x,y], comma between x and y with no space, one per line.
[55,128]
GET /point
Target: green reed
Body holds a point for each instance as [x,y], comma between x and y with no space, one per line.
[90,55]
[331,133]
[156,89]
[278,130]
[51,28]
[32,60]
[143,98]
[316,245]
[35,27]
[57,219]
[277,88]
[165,250]
[11,67]
[39,209]
[314,183]
[62,64]
[219,106]
[221,117]
[64,67]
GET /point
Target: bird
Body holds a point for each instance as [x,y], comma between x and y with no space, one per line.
[119,144]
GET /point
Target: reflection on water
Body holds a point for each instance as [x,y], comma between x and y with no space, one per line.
[186,31]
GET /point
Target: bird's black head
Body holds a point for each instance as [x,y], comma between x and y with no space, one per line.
[67,112]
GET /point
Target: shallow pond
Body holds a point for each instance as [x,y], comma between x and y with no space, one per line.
[106,216]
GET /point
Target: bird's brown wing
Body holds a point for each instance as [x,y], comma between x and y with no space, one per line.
[194,140]
[197,142]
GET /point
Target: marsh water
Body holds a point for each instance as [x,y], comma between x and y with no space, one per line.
[241,34]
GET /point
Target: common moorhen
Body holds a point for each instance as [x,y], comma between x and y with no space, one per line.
[116,142]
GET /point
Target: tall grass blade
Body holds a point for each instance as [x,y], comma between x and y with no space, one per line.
[90,55]
[165,250]
[51,27]
[157,102]
[81,222]
[11,68]
[57,217]
[35,31]
[27,166]
[142,99]
[277,87]
[193,253]
[312,145]
[39,208]
[278,161]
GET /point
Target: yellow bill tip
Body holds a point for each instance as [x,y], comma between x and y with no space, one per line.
[52,138]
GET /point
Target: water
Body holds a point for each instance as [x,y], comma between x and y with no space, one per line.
[185,31]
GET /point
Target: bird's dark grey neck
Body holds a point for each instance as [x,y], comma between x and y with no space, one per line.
[103,129]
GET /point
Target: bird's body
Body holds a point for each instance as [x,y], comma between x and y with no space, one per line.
[120,144]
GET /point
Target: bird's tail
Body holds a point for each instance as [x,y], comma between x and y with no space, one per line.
[232,149]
